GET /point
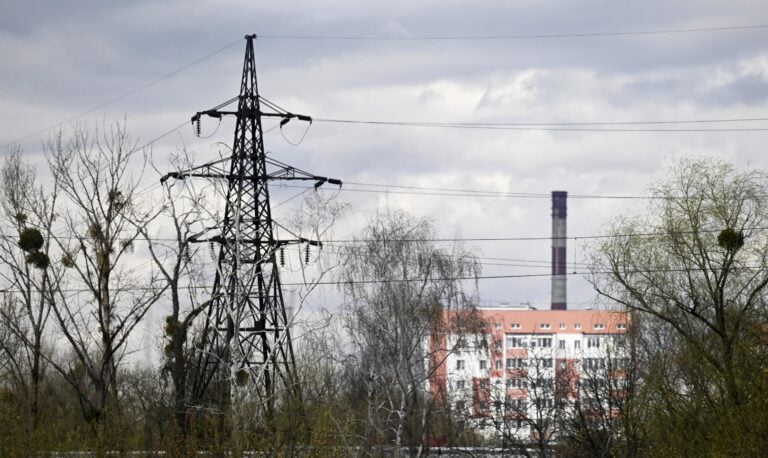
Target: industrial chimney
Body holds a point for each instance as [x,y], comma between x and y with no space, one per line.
[559,213]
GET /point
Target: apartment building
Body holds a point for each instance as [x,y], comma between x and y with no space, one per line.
[520,376]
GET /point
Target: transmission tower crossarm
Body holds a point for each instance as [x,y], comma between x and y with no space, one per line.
[285,115]
[274,242]
[251,112]
[319,180]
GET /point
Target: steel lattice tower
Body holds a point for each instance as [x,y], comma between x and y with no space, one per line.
[246,336]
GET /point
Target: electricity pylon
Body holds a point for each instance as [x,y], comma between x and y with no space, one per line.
[246,336]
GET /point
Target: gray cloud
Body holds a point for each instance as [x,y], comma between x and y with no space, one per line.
[750,89]
[62,58]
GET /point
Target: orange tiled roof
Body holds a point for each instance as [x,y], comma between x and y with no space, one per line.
[575,321]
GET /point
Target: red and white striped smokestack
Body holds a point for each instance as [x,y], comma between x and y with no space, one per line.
[559,213]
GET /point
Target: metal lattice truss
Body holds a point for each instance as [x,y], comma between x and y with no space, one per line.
[246,335]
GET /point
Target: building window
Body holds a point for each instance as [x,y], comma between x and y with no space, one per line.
[598,326]
[594,363]
[593,342]
[518,404]
[482,407]
[577,326]
[544,342]
[460,405]
[514,326]
[459,384]
[621,326]
[562,325]
[546,362]
[514,341]
[483,364]
[513,363]
[561,344]
[517,383]
[513,404]
[459,364]
[544,325]
[483,384]
[497,344]
[577,345]
[546,403]
[498,364]
[498,326]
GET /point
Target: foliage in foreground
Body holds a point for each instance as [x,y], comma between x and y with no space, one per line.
[692,271]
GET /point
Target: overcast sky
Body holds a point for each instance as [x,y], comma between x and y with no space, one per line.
[63,58]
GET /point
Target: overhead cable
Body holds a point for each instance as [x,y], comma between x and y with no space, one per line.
[412,280]
[437,192]
[124,95]
[555,127]
[515,36]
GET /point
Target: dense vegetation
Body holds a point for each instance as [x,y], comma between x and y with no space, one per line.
[692,271]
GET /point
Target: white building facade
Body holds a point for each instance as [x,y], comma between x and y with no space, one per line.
[531,368]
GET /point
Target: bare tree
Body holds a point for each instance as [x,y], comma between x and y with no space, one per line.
[523,407]
[27,215]
[600,403]
[101,299]
[696,263]
[400,288]
[172,253]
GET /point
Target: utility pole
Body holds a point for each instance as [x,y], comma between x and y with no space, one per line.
[246,338]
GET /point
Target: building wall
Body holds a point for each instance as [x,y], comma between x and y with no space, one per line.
[527,356]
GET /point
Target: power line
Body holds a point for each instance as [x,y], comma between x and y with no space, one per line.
[162,136]
[548,262]
[353,241]
[502,262]
[544,127]
[157,184]
[533,238]
[571,123]
[531,194]
[445,37]
[465,239]
[496,277]
[125,95]
[410,280]
[468,193]
[532,266]
[516,36]
[505,262]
